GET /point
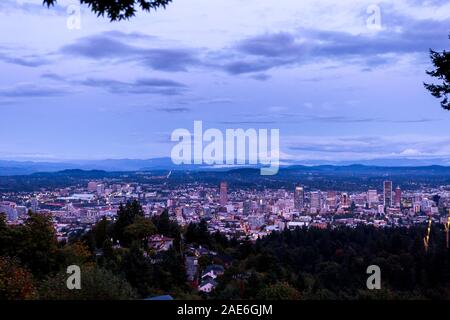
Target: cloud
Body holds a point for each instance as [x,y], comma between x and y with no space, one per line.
[282,115]
[173,109]
[113,46]
[261,77]
[28,90]
[159,86]
[256,55]
[139,86]
[15,56]
[401,36]
[368,147]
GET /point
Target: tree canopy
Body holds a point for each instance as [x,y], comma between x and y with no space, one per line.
[441,62]
[118,9]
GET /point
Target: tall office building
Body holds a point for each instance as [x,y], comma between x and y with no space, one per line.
[299,198]
[316,202]
[372,197]
[345,201]
[398,196]
[387,192]
[223,193]
[331,199]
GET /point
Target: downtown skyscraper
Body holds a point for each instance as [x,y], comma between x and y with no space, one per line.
[387,193]
[299,198]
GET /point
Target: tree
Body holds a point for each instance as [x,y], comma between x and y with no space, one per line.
[119,9]
[279,291]
[16,283]
[139,229]
[96,284]
[101,232]
[37,245]
[125,217]
[441,61]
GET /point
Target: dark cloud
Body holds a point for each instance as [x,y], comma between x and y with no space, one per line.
[400,36]
[11,55]
[257,54]
[113,46]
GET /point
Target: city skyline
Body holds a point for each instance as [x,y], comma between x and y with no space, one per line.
[337,89]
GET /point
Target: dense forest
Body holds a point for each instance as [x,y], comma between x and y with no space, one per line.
[299,264]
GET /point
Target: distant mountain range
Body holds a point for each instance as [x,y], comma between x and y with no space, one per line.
[11,168]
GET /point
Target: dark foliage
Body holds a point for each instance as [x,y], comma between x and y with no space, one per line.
[441,62]
[119,9]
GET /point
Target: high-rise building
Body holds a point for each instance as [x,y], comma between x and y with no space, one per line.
[331,199]
[372,197]
[387,192]
[223,193]
[299,198]
[345,201]
[398,196]
[316,200]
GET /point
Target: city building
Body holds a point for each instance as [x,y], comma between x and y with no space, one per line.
[387,193]
[398,197]
[299,198]
[372,198]
[223,193]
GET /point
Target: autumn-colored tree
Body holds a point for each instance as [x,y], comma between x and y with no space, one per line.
[16,283]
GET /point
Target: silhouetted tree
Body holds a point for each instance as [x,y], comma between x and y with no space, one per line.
[126,216]
[119,9]
[441,62]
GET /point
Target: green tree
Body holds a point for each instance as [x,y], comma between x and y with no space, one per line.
[101,232]
[37,246]
[96,284]
[126,217]
[279,291]
[119,9]
[139,229]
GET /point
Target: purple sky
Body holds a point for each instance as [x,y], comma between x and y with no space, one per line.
[337,88]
